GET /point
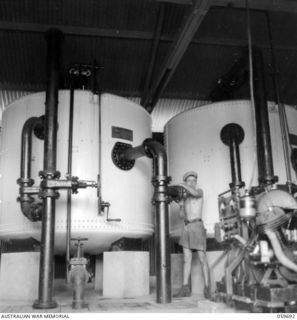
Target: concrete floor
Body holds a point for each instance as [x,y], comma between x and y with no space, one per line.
[98,304]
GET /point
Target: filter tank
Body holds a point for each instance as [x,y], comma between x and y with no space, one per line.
[193,143]
[99,122]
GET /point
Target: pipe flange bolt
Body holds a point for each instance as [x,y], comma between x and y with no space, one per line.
[29,182]
[46,174]
[48,193]
[117,150]
[161,179]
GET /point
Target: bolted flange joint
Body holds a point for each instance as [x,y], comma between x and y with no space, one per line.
[47,174]
[27,182]
[161,180]
[161,184]
[48,193]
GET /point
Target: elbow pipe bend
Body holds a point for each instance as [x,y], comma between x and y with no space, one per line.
[29,207]
[156,151]
[26,145]
[32,209]
[283,259]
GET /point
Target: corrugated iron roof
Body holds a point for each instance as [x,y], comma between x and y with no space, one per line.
[119,35]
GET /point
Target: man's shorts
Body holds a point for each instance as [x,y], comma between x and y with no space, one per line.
[194,236]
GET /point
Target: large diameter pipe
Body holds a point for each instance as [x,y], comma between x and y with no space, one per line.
[232,135]
[155,150]
[46,273]
[264,151]
[161,180]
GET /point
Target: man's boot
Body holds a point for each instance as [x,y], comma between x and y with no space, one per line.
[183,292]
[207,293]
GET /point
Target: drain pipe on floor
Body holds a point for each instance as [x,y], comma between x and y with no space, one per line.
[157,152]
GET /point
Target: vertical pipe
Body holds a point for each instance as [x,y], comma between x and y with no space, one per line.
[69,172]
[46,273]
[26,148]
[281,108]
[160,181]
[235,162]
[156,151]
[264,151]
[232,135]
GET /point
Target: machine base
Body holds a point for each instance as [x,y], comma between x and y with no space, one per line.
[256,298]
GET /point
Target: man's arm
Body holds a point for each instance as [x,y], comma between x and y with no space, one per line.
[197,193]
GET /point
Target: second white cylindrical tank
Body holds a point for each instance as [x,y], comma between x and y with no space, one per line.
[99,122]
[193,143]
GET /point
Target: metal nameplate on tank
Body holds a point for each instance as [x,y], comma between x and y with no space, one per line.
[122,133]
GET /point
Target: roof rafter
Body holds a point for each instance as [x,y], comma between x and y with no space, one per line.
[267,5]
[196,14]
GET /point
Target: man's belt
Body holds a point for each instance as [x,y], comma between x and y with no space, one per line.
[191,221]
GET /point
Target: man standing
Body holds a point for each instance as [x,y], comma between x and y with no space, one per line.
[193,237]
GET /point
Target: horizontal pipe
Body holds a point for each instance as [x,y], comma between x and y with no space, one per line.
[133,153]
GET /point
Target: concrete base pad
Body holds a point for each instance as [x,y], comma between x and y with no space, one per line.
[125,274]
[99,274]
[19,276]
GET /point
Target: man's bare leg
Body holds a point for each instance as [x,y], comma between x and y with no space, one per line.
[206,274]
[185,289]
[187,265]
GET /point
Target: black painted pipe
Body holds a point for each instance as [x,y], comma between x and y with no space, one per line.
[264,151]
[155,150]
[232,135]
[69,171]
[46,274]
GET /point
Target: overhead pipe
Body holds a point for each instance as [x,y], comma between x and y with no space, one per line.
[29,207]
[264,151]
[54,40]
[155,150]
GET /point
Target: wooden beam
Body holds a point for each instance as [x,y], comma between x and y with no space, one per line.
[77,31]
[135,35]
[153,55]
[267,5]
[196,14]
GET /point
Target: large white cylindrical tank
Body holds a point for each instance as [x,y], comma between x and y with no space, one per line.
[105,120]
[193,143]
